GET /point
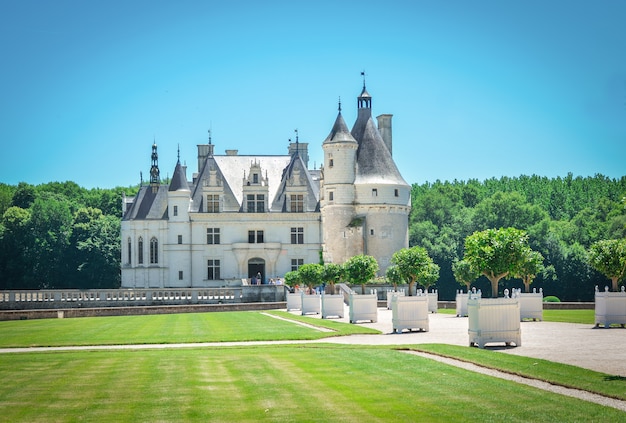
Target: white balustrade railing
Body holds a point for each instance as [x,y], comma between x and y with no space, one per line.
[494,320]
[117,297]
[410,312]
[610,307]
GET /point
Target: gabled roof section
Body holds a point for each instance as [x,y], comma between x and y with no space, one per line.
[148,205]
[179,179]
[374,162]
[310,184]
[231,170]
[339,133]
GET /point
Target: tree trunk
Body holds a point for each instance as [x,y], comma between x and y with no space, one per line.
[614,283]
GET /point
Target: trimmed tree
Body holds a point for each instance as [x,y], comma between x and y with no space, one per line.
[463,273]
[497,253]
[292,278]
[332,274]
[393,275]
[415,265]
[311,274]
[530,268]
[609,258]
[360,269]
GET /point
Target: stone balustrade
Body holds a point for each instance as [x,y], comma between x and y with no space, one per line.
[72,298]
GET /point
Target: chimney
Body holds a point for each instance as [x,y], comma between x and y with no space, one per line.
[232,152]
[384,127]
[204,151]
[303,151]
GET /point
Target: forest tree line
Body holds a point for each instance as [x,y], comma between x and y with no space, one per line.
[59,235]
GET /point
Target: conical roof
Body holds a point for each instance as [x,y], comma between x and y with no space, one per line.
[339,133]
[179,180]
[374,162]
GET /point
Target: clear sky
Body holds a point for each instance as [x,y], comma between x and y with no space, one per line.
[478,89]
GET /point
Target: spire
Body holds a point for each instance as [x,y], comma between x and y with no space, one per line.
[154,168]
[365,99]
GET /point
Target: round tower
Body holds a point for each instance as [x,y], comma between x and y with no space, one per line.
[342,234]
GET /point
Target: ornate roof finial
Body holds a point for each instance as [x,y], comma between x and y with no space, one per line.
[363,75]
[340,104]
[209,136]
[178,160]
[296,131]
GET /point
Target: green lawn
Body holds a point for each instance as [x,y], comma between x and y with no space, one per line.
[165,329]
[300,383]
[280,383]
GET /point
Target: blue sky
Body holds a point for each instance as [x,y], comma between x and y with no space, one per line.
[478,89]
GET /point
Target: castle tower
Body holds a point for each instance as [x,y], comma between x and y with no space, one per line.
[178,229]
[365,201]
[342,236]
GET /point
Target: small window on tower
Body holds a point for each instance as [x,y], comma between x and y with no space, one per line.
[372,232]
[330,163]
[395,192]
[180,239]
[175,210]
[331,196]
[180,275]
[375,192]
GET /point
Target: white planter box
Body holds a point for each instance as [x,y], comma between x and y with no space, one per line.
[294,301]
[433,301]
[409,313]
[494,320]
[531,304]
[610,307]
[363,307]
[461,301]
[390,294]
[332,305]
[311,304]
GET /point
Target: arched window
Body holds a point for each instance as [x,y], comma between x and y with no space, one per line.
[129,255]
[154,251]
[140,250]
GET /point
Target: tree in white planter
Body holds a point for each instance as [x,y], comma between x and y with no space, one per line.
[530,268]
[415,265]
[609,258]
[332,274]
[292,278]
[497,253]
[393,275]
[360,269]
[311,274]
[463,273]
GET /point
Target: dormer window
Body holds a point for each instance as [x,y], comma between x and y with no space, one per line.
[296,203]
[255,178]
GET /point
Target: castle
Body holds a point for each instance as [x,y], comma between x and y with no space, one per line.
[243,215]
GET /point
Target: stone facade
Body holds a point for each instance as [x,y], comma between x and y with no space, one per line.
[241,215]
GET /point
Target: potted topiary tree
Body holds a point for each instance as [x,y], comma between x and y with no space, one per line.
[531,303]
[464,275]
[359,270]
[294,299]
[394,277]
[609,258]
[311,276]
[332,304]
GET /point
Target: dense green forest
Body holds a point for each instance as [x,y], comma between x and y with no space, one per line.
[563,217]
[59,235]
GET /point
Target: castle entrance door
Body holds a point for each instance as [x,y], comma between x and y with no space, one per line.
[256,267]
